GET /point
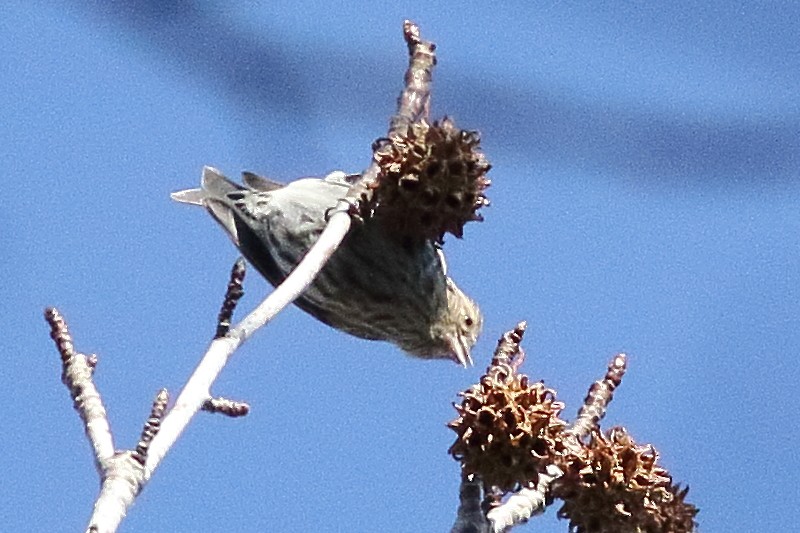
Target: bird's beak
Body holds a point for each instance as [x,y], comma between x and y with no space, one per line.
[459,352]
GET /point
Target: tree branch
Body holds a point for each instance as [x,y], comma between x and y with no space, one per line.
[77,375]
[597,399]
[522,505]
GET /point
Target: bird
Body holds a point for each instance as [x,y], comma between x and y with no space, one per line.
[376,285]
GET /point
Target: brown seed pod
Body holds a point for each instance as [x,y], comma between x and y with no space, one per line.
[508,429]
[431,181]
[615,485]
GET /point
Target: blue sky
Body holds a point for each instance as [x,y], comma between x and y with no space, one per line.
[645,199]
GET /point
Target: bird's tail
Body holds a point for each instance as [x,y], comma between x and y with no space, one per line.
[213,194]
[213,186]
[189,196]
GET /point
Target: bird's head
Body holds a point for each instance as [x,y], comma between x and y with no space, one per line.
[458,327]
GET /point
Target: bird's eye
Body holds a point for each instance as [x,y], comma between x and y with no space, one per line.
[468,321]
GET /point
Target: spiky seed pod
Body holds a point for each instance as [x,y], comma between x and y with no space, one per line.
[615,485]
[431,182]
[508,429]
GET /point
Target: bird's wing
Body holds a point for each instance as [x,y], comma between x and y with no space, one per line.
[219,196]
[340,178]
[260,183]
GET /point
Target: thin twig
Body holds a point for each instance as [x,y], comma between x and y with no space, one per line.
[225,406]
[123,478]
[152,426]
[600,394]
[77,374]
[413,103]
[233,294]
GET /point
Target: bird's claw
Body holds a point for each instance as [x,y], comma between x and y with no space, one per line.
[349,206]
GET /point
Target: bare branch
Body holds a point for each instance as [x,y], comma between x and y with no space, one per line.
[522,505]
[509,354]
[232,296]
[152,426]
[600,395]
[226,407]
[412,104]
[414,101]
[122,482]
[77,372]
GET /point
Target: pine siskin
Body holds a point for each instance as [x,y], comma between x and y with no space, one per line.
[375,286]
